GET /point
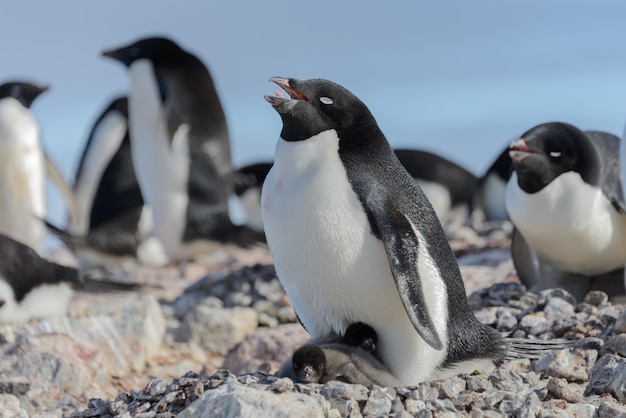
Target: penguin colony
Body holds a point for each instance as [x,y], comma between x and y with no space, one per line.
[355,227]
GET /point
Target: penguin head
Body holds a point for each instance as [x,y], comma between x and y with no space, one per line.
[25,93]
[317,105]
[548,150]
[308,363]
[361,335]
[157,50]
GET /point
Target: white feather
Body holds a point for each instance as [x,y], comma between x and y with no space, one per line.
[570,224]
[22,175]
[41,302]
[333,269]
[161,165]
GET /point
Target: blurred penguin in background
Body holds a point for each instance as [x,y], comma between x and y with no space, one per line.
[180,148]
[22,165]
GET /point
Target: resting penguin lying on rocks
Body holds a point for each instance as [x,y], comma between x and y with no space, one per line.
[33,287]
[354,239]
[566,202]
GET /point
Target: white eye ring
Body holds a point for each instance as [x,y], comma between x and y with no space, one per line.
[326,100]
[555,154]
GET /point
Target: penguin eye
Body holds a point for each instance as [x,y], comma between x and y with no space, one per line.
[555,154]
[326,100]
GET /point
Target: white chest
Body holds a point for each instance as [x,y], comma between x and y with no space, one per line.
[570,224]
[161,163]
[22,175]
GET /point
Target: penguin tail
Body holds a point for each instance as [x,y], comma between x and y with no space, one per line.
[71,241]
[96,285]
[525,348]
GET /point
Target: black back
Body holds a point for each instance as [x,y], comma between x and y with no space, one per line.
[434,168]
[24,269]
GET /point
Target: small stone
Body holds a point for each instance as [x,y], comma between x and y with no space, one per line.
[531,406]
[563,364]
[545,295]
[610,409]
[616,345]
[532,320]
[156,387]
[344,390]
[449,388]
[620,323]
[506,321]
[413,406]
[478,383]
[17,385]
[561,390]
[557,308]
[377,406]
[596,298]
[608,375]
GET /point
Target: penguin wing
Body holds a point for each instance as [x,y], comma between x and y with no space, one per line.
[400,239]
[608,147]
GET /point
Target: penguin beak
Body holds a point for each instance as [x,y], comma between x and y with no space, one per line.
[285,84]
[518,150]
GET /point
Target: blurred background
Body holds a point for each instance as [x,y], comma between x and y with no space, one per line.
[458,78]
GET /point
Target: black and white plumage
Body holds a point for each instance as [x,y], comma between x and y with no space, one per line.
[248,184]
[566,201]
[114,226]
[22,165]
[349,359]
[354,239]
[448,186]
[180,147]
[33,287]
[488,202]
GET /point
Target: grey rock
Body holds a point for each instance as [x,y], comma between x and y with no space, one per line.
[616,345]
[506,321]
[377,406]
[610,409]
[342,390]
[16,385]
[596,298]
[235,400]
[530,407]
[217,330]
[560,389]
[413,406]
[608,375]
[545,295]
[478,383]
[10,407]
[532,320]
[558,308]
[620,323]
[563,364]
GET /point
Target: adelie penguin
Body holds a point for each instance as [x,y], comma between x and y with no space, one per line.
[354,239]
[33,287]
[180,147]
[113,228]
[22,165]
[566,201]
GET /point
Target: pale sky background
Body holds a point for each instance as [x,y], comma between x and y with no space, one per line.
[458,78]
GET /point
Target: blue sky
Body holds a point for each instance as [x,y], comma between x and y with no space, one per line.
[458,78]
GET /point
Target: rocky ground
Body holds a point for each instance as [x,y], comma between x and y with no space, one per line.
[206,337]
